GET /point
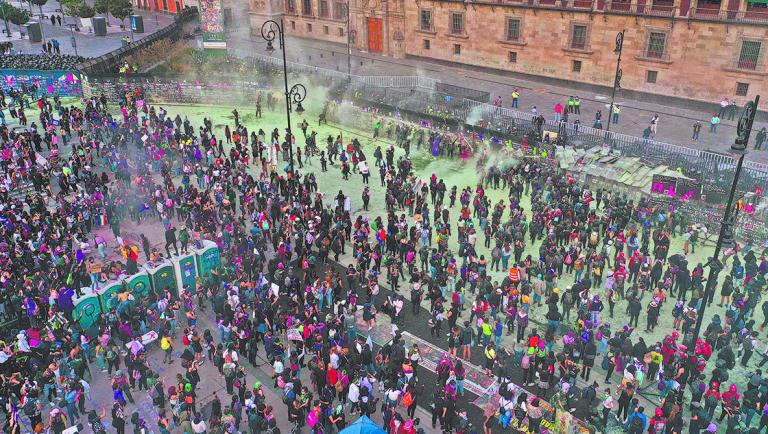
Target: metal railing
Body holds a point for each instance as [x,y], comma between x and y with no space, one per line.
[750,16]
[370,80]
[712,167]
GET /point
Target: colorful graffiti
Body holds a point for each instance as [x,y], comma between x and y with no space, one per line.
[64,83]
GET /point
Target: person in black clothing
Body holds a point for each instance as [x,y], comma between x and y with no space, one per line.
[437,407]
[145,246]
[170,240]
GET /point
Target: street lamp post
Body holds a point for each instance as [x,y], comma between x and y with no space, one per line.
[725,237]
[130,22]
[349,46]
[74,40]
[616,78]
[270,31]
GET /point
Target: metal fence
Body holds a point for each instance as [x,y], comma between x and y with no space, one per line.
[375,80]
[464,92]
[712,168]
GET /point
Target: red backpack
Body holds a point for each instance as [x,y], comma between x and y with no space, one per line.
[408,399]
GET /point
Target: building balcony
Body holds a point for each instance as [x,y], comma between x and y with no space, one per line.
[749,16]
[750,13]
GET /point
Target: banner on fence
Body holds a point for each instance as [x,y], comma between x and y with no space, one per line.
[64,83]
[212,25]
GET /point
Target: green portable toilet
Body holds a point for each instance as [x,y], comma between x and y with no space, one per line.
[208,258]
[163,276]
[186,271]
[140,284]
[108,295]
[87,310]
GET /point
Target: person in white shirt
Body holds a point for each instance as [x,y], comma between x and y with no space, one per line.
[723,107]
[277,369]
[354,396]
[198,425]
[362,167]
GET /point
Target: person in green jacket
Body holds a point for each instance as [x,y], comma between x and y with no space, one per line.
[184,239]
[760,138]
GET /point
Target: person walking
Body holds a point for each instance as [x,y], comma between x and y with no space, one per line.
[654,124]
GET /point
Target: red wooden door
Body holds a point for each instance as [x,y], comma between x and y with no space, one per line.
[375,35]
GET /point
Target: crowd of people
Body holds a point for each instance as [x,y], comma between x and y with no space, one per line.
[520,282]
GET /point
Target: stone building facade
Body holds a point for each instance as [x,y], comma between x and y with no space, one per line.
[694,49]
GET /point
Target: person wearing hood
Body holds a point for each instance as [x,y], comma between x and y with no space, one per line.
[729,402]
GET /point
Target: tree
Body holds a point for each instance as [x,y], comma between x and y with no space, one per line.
[102,7]
[40,4]
[72,7]
[86,11]
[16,15]
[120,9]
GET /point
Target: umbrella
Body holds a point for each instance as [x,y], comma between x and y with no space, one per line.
[364,425]
[294,335]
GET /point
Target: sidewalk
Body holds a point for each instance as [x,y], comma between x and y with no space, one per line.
[88,45]
[675,124]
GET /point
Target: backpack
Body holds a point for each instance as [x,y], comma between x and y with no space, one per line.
[407,399]
[289,396]
[636,426]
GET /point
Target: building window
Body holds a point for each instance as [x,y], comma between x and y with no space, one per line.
[425,20]
[339,11]
[513,29]
[656,46]
[341,31]
[457,49]
[290,5]
[306,7]
[749,56]
[576,66]
[650,76]
[293,25]
[579,37]
[324,12]
[513,57]
[325,30]
[426,44]
[742,89]
[309,27]
[457,23]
